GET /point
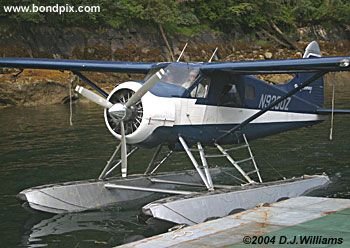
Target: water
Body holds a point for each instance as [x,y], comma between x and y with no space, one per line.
[38,146]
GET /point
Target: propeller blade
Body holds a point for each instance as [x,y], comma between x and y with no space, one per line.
[93,97]
[123,150]
[145,88]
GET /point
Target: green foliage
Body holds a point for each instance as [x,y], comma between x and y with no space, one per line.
[189,16]
[322,11]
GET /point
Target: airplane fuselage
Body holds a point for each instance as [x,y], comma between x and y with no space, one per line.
[169,112]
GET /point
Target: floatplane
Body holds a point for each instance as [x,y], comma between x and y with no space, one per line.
[192,108]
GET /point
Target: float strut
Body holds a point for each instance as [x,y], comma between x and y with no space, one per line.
[194,162]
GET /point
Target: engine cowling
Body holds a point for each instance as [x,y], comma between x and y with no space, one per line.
[133,120]
[145,116]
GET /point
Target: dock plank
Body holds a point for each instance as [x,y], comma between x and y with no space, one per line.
[300,216]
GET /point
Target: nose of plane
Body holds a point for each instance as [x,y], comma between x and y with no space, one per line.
[131,116]
[141,119]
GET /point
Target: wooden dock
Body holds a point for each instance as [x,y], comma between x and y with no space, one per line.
[297,222]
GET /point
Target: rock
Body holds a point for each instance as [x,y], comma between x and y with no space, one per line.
[145,50]
[56,56]
[268,55]
[34,87]
[298,54]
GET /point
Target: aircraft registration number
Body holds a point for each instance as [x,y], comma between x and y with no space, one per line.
[265,100]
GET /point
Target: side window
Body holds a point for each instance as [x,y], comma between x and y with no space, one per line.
[201,89]
[250,92]
[230,96]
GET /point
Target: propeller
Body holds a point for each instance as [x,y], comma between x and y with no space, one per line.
[122,111]
[124,151]
[93,97]
[145,88]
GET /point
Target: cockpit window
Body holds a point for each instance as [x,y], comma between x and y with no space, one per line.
[181,75]
[230,96]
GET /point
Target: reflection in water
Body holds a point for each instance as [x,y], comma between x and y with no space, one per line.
[37,146]
[106,228]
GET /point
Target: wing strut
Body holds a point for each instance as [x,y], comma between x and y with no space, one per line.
[273,104]
[92,84]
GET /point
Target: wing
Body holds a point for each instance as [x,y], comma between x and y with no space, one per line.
[78,65]
[326,64]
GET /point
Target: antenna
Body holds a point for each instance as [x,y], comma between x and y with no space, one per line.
[212,56]
[183,49]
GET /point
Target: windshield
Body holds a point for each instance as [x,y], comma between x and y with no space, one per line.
[181,74]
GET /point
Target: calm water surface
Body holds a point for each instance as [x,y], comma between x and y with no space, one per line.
[37,146]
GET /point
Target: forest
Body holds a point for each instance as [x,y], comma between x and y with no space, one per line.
[192,16]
